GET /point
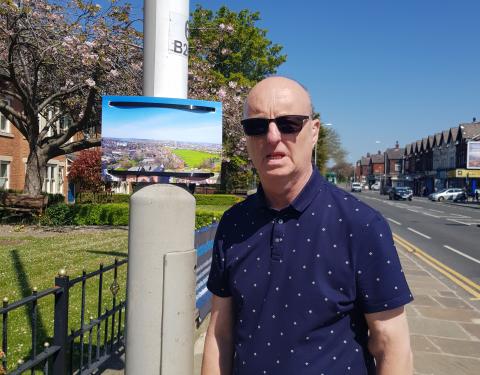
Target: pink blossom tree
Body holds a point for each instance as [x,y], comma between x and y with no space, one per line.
[56,59]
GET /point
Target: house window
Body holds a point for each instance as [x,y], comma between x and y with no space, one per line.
[59,186]
[4,172]
[49,184]
[398,167]
[4,123]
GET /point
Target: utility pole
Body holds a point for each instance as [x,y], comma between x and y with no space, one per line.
[161,270]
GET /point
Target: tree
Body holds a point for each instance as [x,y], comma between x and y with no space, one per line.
[235,47]
[343,170]
[86,170]
[57,60]
[329,147]
[228,55]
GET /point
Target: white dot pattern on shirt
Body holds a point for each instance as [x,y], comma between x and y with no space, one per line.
[341,245]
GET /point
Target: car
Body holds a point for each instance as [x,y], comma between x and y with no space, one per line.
[400,193]
[385,190]
[376,186]
[356,187]
[445,194]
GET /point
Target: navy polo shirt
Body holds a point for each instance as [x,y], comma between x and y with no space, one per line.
[302,279]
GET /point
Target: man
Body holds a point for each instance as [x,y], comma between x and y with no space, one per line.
[302,271]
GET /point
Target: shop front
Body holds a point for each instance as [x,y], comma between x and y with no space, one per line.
[464,178]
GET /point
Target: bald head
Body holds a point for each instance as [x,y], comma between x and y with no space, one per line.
[277,92]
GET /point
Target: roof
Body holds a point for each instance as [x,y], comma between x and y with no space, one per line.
[365,161]
[394,153]
[453,134]
[430,141]
[470,130]
[437,138]
[377,158]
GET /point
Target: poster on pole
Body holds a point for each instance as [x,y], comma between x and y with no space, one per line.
[473,155]
[150,139]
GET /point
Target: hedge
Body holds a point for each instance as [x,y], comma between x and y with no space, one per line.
[217,199]
[102,197]
[107,214]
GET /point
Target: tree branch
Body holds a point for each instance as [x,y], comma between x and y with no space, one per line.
[59,94]
[78,146]
[82,124]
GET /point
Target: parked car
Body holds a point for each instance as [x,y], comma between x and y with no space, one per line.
[400,193]
[462,197]
[376,186]
[356,187]
[385,190]
[445,194]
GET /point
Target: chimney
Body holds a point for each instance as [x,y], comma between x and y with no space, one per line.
[397,145]
[379,152]
[368,154]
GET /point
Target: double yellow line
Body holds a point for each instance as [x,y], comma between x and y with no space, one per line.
[462,281]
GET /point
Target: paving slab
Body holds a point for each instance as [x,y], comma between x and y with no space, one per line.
[464,348]
[434,327]
[441,364]
[450,314]
[421,343]
[453,302]
[472,329]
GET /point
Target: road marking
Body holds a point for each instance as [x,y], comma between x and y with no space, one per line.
[432,215]
[394,221]
[462,281]
[441,212]
[462,254]
[419,233]
[460,222]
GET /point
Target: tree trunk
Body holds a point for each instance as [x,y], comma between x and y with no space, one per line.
[35,172]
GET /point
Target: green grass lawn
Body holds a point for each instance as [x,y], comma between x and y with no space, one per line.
[29,261]
[193,158]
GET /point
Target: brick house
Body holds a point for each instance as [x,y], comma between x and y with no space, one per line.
[14,152]
[377,168]
[394,165]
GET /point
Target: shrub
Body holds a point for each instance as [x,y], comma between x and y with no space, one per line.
[107,214]
[217,199]
[59,214]
[54,199]
[101,214]
[204,218]
[89,197]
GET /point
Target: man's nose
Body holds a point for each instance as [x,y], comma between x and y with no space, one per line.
[273,134]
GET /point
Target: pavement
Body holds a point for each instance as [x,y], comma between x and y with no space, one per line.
[444,325]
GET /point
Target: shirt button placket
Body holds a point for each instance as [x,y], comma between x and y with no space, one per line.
[278,235]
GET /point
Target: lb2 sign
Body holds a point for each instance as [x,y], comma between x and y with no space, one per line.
[178,34]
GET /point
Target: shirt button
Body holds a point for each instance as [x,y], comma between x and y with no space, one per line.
[280,221]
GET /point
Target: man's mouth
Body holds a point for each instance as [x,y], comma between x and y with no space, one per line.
[275,156]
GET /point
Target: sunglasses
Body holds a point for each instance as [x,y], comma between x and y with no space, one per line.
[288,124]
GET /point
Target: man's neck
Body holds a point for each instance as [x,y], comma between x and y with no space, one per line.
[281,192]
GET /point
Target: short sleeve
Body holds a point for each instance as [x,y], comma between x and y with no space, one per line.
[218,280]
[381,283]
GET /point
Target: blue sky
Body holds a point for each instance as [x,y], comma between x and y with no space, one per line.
[160,123]
[378,70]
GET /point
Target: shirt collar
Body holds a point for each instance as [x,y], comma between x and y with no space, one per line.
[303,199]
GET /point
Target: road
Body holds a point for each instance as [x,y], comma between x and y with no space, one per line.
[449,233]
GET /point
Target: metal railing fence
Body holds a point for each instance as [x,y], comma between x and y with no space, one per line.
[85,349]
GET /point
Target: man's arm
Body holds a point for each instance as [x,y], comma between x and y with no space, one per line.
[389,342]
[218,349]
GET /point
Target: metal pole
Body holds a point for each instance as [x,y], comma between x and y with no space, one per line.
[60,329]
[161,282]
[165,59]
